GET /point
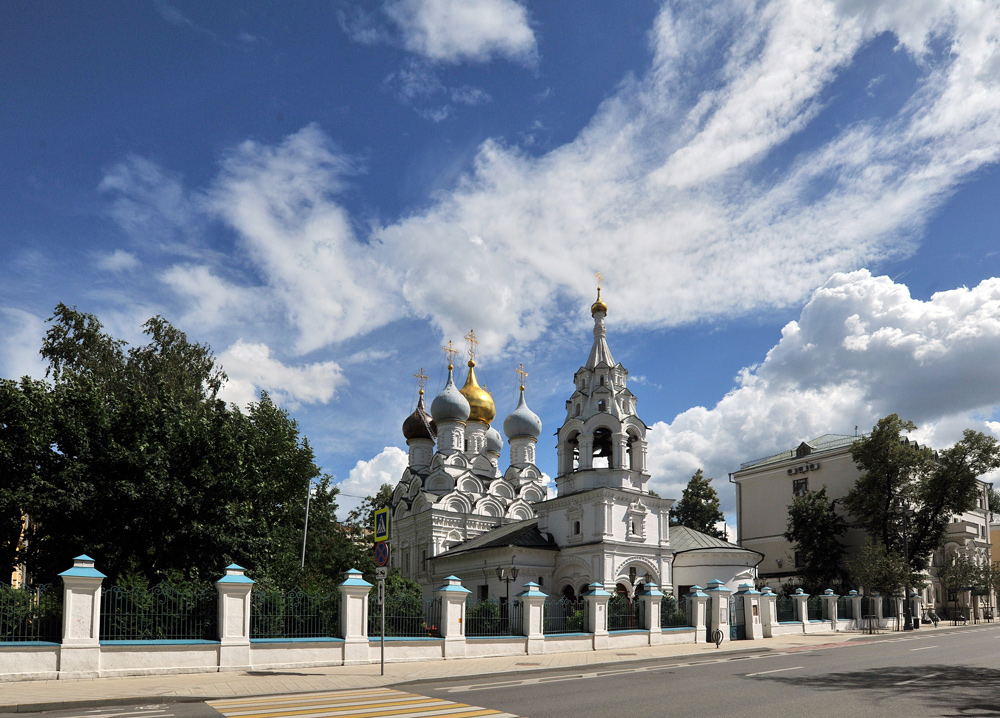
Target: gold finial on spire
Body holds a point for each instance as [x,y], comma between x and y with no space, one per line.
[421,378]
[473,343]
[450,351]
[599,305]
[521,374]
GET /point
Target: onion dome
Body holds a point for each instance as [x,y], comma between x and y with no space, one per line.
[599,305]
[450,405]
[494,442]
[419,424]
[481,404]
[522,421]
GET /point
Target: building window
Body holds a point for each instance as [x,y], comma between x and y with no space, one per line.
[799,563]
[800,487]
[602,380]
[576,528]
[600,405]
[484,592]
[541,581]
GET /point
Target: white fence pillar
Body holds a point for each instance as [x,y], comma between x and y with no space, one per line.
[753,620]
[354,616]
[802,606]
[830,607]
[533,617]
[718,619]
[597,614]
[698,616]
[452,596]
[80,653]
[234,619]
[651,598]
[768,612]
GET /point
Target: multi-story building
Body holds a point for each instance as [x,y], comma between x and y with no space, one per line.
[765,488]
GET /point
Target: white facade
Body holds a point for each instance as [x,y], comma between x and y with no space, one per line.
[456,514]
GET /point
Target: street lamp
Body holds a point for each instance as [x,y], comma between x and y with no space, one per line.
[507,575]
[904,512]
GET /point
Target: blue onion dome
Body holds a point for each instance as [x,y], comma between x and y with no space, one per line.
[494,442]
[419,424]
[522,421]
[450,405]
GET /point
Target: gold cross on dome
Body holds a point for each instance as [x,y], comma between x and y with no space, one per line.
[521,374]
[473,343]
[599,279]
[450,351]
[421,378]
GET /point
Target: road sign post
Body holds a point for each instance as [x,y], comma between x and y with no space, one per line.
[382,562]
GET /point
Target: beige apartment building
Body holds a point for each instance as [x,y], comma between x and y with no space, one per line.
[766,487]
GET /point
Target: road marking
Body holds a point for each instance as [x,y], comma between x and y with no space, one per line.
[776,670]
[374,703]
[922,648]
[914,680]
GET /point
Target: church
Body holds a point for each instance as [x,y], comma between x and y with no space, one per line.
[456,513]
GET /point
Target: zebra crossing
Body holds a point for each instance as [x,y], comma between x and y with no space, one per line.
[361,703]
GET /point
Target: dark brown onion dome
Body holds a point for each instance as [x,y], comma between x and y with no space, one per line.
[419,424]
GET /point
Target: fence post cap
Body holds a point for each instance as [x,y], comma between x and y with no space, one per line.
[235,574]
[766,591]
[696,592]
[596,589]
[83,566]
[829,592]
[531,591]
[746,588]
[717,585]
[352,577]
[453,585]
[650,589]
[852,592]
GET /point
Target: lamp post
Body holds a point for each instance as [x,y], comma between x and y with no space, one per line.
[507,575]
[904,512]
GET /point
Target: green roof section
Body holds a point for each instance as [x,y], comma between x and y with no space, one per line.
[684,539]
[826,442]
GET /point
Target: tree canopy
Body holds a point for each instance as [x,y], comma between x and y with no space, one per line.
[815,527]
[905,489]
[699,507]
[128,455]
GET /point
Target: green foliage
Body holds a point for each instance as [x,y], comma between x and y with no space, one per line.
[875,568]
[815,527]
[698,508]
[129,455]
[933,487]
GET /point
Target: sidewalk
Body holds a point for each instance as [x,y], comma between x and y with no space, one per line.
[47,695]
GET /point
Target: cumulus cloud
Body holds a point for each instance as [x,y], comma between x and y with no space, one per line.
[367,476]
[118,261]
[861,349]
[23,333]
[458,30]
[251,367]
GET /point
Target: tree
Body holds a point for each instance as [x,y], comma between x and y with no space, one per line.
[698,508]
[875,568]
[130,456]
[814,526]
[957,574]
[897,474]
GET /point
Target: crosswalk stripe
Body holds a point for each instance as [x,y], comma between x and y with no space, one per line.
[373,703]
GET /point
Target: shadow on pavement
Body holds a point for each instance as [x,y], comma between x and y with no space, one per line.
[959,690]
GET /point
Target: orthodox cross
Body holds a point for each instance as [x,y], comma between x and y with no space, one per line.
[521,374]
[473,343]
[421,378]
[450,351]
[599,279]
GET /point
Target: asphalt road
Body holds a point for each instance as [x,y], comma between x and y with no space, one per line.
[194,709]
[945,673]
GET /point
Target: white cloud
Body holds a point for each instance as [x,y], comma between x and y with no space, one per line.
[22,334]
[861,349]
[118,261]
[457,30]
[367,476]
[250,368]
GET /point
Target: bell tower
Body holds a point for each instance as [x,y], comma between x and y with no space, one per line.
[602,443]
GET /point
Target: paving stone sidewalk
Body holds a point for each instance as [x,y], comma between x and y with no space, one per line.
[42,695]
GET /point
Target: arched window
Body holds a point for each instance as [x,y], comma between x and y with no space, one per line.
[576,528]
[601,406]
[602,380]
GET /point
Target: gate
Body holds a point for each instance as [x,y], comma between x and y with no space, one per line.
[708,621]
[737,619]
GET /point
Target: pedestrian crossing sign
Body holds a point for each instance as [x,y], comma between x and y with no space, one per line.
[382,525]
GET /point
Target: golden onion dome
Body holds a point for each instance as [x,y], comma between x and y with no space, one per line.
[598,306]
[481,406]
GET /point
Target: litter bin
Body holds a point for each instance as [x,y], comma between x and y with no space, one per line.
[916,622]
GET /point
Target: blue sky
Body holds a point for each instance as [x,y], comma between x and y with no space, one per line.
[794,206]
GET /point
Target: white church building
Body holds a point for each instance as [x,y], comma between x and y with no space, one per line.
[456,513]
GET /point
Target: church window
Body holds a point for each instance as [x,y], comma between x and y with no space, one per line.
[484,592]
[601,406]
[576,528]
[799,562]
[800,487]
[602,380]
[541,581]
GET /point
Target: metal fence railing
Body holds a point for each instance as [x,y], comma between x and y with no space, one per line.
[785,609]
[814,608]
[161,613]
[672,613]
[889,608]
[294,614]
[845,608]
[30,614]
[564,616]
[624,614]
[406,616]
[491,617]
